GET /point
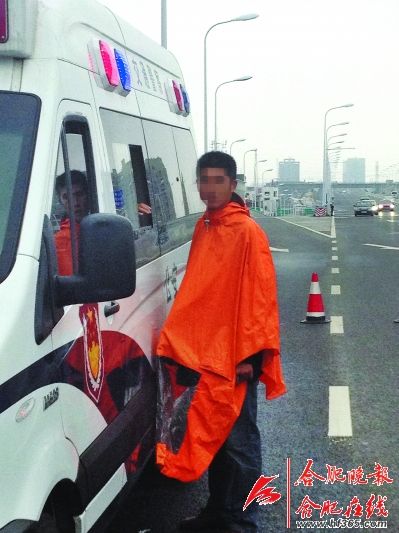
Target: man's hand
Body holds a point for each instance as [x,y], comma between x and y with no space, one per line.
[244,372]
[144,209]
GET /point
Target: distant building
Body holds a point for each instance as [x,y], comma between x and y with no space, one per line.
[288,170]
[354,170]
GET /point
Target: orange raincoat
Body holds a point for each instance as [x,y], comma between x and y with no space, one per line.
[225,311]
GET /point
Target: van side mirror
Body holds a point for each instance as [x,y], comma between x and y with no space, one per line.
[107,265]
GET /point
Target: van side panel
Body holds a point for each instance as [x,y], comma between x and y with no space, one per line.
[32,461]
[79,404]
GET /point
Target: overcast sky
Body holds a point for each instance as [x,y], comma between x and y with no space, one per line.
[305,57]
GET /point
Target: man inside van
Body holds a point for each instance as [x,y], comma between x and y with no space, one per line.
[223,326]
[80,208]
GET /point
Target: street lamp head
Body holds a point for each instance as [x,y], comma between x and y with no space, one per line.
[236,141]
[348,105]
[243,78]
[249,16]
[336,142]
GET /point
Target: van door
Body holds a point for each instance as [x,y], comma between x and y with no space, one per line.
[77,336]
[105,377]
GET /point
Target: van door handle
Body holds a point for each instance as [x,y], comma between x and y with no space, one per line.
[111,308]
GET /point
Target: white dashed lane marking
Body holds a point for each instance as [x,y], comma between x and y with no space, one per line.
[335,270]
[339,412]
[335,289]
[337,325]
[334,258]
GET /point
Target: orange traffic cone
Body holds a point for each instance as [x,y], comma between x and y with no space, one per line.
[315,313]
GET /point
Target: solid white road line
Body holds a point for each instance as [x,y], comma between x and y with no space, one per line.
[335,270]
[334,258]
[382,246]
[337,325]
[333,233]
[334,248]
[281,219]
[335,289]
[339,412]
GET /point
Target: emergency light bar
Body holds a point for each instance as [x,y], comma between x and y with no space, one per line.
[113,74]
[3,21]
[178,98]
[18,25]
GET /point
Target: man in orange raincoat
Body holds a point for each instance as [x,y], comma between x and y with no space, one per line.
[220,338]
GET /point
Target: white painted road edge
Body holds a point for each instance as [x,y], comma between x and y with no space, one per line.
[303,227]
[333,233]
[339,412]
[382,246]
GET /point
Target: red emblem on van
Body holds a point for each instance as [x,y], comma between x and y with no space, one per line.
[93,350]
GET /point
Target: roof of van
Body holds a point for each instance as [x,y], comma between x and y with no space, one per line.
[62,29]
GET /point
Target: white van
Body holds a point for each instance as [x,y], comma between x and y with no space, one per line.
[83,94]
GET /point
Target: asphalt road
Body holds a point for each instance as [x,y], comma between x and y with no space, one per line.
[362,359]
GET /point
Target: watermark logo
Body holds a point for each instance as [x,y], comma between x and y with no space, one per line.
[263,494]
[330,513]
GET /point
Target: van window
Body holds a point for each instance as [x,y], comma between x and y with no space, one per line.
[187,160]
[173,182]
[127,154]
[19,115]
[75,186]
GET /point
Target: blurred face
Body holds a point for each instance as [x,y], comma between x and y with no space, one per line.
[79,198]
[215,187]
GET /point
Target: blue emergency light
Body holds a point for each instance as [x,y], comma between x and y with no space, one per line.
[123,69]
[186,100]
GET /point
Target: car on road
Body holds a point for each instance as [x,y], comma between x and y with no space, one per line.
[386,205]
[365,207]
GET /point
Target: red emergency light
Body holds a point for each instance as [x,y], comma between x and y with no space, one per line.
[3,21]
[109,62]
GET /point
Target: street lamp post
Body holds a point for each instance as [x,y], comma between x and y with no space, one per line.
[236,141]
[257,184]
[326,194]
[242,18]
[243,78]
[245,153]
[164,35]
[256,156]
